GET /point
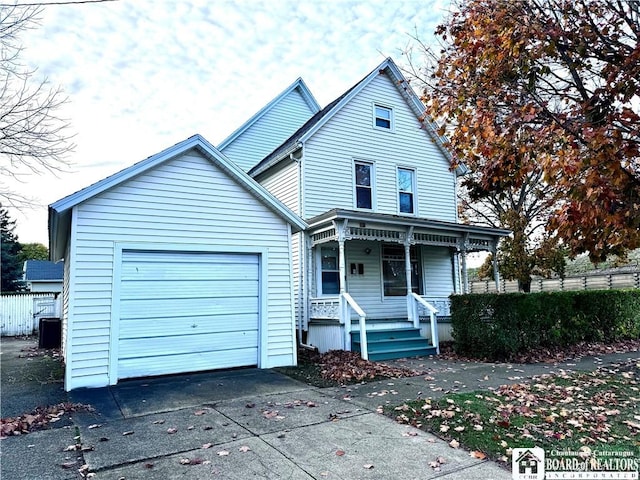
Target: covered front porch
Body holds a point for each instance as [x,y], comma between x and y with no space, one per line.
[378,283]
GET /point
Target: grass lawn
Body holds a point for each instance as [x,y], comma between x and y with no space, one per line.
[599,410]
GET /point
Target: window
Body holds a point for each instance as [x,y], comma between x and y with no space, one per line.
[364,185]
[383,117]
[330,271]
[406,187]
[393,270]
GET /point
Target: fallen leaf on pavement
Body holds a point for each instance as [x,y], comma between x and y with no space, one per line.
[477,454]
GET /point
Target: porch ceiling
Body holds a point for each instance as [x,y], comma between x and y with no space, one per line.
[357,225]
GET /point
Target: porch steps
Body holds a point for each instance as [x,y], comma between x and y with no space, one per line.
[393,343]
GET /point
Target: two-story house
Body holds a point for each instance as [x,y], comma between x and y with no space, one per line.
[200,258]
[372,178]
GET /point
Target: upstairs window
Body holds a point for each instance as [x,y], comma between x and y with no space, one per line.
[383,117]
[364,185]
[406,190]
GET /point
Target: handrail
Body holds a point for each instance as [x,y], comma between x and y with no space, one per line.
[433,323]
[346,301]
[354,304]
[424,303]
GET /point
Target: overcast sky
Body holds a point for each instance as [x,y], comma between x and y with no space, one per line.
[143,75]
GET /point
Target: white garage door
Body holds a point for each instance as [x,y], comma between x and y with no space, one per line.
[185,311]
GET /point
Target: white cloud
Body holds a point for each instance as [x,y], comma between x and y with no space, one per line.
[142,75]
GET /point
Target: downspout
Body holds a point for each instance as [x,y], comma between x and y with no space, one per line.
[303,301]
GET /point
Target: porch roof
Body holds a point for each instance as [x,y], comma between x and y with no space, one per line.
[353,224]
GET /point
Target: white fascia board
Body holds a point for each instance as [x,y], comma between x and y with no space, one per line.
[363,83]
[298,84]
[196,141]
[253,187]
[123,175]
[420,111]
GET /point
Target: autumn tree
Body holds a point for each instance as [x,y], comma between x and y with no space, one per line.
[10,264]
[548,86]
[33,139]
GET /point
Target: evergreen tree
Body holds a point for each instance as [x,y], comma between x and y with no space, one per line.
[10,264]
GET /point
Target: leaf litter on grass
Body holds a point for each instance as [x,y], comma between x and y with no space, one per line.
[559,411]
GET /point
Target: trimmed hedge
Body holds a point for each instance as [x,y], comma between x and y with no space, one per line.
[499,326]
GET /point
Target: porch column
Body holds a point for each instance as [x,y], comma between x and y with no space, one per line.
[496,272]
[342,266]
[411,311]
[345,314]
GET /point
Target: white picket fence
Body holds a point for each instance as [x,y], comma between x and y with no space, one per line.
[20,313]
[585,282]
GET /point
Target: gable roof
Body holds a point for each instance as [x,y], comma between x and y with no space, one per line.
[297,85]
[43,270]
[60,211]
[323,116]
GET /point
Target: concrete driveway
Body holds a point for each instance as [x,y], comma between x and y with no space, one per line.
[234,424]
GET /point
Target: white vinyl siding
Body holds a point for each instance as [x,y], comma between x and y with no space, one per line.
[261,138]
[438,270]
[329,153]
[282,183]
[186,201]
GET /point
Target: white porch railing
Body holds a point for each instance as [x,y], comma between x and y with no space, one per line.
[326,308]
[339,308]
[347,302]
[417,303]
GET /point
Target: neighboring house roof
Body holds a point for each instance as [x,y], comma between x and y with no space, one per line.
[323,116]
[43,271]
[304,92]
[60,211]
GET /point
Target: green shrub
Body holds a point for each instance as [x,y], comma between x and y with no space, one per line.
[499,326]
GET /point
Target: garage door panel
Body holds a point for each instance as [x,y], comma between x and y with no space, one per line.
[187,311]
[203,324]
[151,256]
[178,271]
[189,289]
[182,344]
[152,309]
[197,269]
[198,361]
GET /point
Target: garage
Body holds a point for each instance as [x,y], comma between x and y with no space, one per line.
[179,263]
[186,311]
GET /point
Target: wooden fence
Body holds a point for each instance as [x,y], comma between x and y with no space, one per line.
[20,313]
[586,282]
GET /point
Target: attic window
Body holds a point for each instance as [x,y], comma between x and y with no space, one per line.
[383,117]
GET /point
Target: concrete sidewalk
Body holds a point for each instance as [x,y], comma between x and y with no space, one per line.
[255,423]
